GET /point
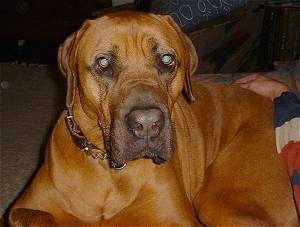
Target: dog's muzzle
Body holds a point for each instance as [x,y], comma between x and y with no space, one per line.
[142,132]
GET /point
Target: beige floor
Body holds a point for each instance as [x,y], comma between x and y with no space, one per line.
[31,98]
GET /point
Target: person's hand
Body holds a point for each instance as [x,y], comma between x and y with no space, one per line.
[261,85]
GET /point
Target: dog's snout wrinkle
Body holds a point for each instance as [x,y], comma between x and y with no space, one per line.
[137,82]
[145,123]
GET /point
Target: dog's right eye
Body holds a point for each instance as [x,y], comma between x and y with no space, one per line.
[105,66]
[102,63]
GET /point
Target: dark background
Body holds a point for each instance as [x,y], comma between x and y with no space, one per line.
[31,30]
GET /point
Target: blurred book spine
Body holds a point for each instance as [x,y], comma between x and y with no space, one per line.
[281,34]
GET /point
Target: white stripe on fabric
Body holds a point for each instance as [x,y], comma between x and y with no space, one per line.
[289,131]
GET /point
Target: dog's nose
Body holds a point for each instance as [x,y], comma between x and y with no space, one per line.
[145,123]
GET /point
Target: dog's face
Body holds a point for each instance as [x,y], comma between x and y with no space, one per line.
[128,69]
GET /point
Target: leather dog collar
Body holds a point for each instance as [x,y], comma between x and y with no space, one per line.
[80,140]
[83,143]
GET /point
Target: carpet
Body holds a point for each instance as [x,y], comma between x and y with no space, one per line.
[32,96]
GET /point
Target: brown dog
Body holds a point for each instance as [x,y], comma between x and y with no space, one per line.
[218,164]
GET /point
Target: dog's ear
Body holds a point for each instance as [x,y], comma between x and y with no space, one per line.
[191,58]
[66,58]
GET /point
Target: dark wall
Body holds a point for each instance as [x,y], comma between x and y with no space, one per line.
[31,30]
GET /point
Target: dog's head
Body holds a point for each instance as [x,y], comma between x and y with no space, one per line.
[128,70]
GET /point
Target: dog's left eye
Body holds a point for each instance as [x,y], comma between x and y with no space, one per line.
[168,59]
[166,63]
[102,62]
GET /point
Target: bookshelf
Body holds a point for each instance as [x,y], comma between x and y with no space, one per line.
[280,39]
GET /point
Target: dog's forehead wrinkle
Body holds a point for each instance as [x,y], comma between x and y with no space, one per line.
[106,48]
[133,34]
[138,47]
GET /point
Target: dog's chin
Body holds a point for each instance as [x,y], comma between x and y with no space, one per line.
[157,159]
[121,162]
[116,165]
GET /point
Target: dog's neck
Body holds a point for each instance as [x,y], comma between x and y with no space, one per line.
[79,138]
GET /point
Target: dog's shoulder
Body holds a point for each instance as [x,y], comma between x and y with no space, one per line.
[222,111]
[229,99]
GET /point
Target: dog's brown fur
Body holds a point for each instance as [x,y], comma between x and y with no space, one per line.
[221,164]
